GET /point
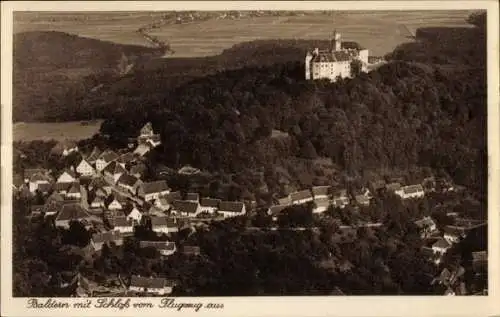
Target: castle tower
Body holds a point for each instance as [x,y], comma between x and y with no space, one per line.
[308,60]
[336,42]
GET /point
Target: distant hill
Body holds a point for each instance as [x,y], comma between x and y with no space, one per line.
[52,69]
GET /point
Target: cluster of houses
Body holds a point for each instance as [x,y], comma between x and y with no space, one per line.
[322,197]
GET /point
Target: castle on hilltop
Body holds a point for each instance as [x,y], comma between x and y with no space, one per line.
[336,61]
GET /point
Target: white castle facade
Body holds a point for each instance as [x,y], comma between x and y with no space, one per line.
[335,62]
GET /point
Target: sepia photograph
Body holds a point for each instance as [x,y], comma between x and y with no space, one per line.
[248,153]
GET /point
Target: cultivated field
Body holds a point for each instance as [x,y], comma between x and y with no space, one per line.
[379,31]
[76,130]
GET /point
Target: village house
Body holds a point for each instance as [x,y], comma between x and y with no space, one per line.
[97,202]
[67,176]
[94,155]
[453,234]
[284,201]
[231,209]
[129,183]
[138,170]
[275,211]
[72,212]
[150,285]
[123,224]
[441,246]
[165,248]
[126,159]
[74,192]
[135,215]
[142,148]
[152,190]
[321,205]
[301,197]
[84,168]
[184,208]
[62,188]
[340,198]
[116,202]
[193,197]
[36,178]
[113,171]
[427,227]
[161,225]
[98,240]
[208,205]
[411,191]
[104,159]
[191,250]
[65,148]
[321,192]
[98,183]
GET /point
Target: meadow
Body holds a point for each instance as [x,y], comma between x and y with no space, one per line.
[58,131]
[379,31]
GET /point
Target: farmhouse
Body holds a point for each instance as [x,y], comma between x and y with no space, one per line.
[128,183]
[115,202]
[84,168]
[72,212]
[152,190]
[321,192]
[135,215]
[150,285]
[427,227]
[231,208]
[123,224]
[335,62]
[185,208]
[68,176]
[165,248]
[208,205]
[97,202]
[301,197]
[98,240]
[162,225]
[36,177]
[412,191]
[74,191]
[321,205]
[104,159]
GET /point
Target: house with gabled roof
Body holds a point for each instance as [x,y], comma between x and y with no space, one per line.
[150,191]
[128,183]
[286,200]
[321,205]
[113,171]
[184,208]
[94,155]
[453,234]
[321,192]
[142,149]
[276,210]
[163,225]
[231,208]
[208,205]
[115,202]
[194,197]
[72,212]
[138,170]
[427,227]
[135,215]
[165,248]
[84,168]
[123,224]
[62,188]
[411,191]
[104,159]
[146,130]
[98,240]
[67,176]
[125,159]
[74,192]
[35,177]
[150,285]
[441,246]
[301,197]
[97,202]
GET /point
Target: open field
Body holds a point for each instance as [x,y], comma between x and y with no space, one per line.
[379,31]
[59,131]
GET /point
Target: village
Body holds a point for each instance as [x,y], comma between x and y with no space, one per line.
[106,192]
